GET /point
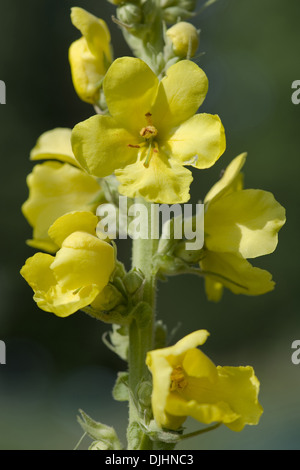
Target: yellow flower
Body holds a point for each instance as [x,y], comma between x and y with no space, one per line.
[239,224]
[152,131]
[89,56]
[80,270]
[187,383]
[56,188]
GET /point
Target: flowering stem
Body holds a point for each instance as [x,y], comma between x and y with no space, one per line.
[141,336]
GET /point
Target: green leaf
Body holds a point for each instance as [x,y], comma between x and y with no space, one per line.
[157,434]
[99,432]
[119,341]
[134,435]
[120,391]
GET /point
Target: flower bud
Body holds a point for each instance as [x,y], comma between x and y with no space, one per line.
[185,39]
[133,281]
[108,299]
[129,14]
[90,56]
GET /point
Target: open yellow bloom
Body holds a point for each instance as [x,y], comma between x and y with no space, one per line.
[239,224]
[89,56]
[187,383]
[56,188]
[152,132]
[78,273]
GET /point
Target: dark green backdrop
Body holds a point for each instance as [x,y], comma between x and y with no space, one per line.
[55,366]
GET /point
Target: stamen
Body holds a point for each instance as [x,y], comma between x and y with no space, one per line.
[76,291]
[148,132]
[178,379]
[149,155]
[148,117]
[134,146]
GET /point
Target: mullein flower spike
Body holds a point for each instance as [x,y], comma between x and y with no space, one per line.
[140,144]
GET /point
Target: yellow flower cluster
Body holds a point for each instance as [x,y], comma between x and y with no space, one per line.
[61,205]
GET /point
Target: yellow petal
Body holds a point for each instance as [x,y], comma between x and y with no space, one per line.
[163,181]
[199,142]
[205,413]
[87,71]
[130,88]
[83,260]
[245,222]
[179,95]
[72,222]
[63,302]
[90,55]
[54,145]
[54,190]
[197,364]
[232,398]
[94,30]
[161,375]
[36,271]
[230,181]
[197,338]
[236,274]
[240,387]
[44,245]
[102,146]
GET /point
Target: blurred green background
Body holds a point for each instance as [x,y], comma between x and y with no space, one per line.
[56,366]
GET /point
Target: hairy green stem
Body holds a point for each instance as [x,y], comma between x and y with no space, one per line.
[141,337]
